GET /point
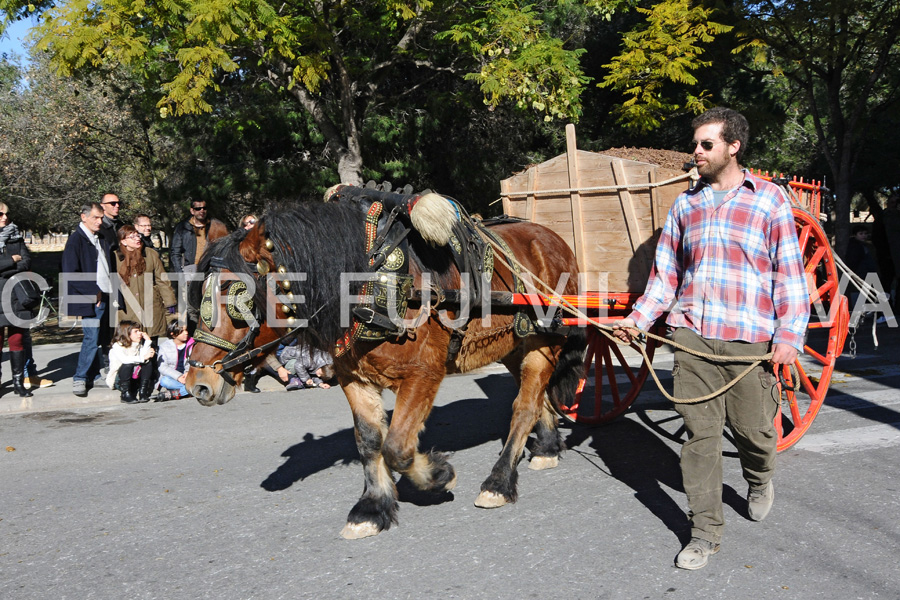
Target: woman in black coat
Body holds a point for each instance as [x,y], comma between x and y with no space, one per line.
[14,258]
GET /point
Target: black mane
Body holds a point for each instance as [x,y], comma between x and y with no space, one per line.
[320,240]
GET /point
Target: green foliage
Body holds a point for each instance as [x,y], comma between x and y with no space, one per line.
[520,61]
[664,50]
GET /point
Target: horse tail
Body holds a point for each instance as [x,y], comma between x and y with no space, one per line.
[569,371]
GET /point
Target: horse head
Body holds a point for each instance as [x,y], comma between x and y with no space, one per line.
[233,304]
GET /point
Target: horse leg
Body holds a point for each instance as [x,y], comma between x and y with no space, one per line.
[549,444]
[500,487]
[427,471]
[376,509]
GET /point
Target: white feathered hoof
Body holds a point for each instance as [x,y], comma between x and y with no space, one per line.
[357,531]
[489,500]
[539,463]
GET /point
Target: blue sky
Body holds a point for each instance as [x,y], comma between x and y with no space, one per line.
[11,40]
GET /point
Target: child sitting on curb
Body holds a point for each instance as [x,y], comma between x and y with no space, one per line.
[174,353]
[303,366]
[130,367]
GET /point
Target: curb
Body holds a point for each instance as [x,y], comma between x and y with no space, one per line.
[60,397]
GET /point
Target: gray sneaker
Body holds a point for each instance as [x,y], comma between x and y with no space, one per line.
[696,554]
[759,501]
[79,388]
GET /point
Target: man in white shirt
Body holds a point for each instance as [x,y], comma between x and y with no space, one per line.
[85,287]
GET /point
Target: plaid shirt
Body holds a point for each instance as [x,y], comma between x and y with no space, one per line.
[733,270]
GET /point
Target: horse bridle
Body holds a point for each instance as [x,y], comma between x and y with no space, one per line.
[243,351]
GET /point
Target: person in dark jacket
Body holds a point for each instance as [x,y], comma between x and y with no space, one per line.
[111,224]
[85,286]
[14,258]
[189,239]
[144,226]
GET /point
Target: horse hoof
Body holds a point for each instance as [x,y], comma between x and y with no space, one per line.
[539,463]
[450,485]
[357,531]
[489,500]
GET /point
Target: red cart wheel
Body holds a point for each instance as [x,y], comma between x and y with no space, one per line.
[615,383]
[826,334]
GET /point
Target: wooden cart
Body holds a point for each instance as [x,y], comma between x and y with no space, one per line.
[611,211]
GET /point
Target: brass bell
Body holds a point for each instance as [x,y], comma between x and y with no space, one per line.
[262,267]
[286,285]
[270,245]
[291,321]
[282,269]
[286,309]
[290,296]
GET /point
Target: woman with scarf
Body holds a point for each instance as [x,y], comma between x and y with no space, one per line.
[145,295]
[14,258]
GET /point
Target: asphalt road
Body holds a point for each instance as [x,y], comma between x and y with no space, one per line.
[247,500]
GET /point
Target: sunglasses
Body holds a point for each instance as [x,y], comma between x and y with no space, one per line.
[198,208]
[249,222]
[113,203]
[706,144]
[3,214]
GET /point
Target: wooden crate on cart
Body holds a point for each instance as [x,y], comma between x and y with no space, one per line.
[608,209]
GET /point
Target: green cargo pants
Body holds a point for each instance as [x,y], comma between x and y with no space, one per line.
[749,410]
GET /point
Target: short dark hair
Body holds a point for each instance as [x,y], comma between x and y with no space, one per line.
[195,201]
[175,328]
[858,228]
[735,127]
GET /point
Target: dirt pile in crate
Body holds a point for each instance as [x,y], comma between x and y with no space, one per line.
[668,159]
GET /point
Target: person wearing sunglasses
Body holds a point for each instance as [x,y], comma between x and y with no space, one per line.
[189,238]
[248,221]
[111,223]
[729,272]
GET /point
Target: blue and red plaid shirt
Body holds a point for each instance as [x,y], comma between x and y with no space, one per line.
[731,271]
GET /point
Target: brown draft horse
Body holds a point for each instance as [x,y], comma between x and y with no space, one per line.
[310,245]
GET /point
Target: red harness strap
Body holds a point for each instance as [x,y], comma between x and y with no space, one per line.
[343,345]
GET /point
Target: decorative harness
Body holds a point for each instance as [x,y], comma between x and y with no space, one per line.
[388,292]
[238,305]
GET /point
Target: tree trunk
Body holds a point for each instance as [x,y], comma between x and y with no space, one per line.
[843,194]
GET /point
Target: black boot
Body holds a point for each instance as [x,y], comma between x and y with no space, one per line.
[146,390]
[250,379]
[17,363]
[127,384]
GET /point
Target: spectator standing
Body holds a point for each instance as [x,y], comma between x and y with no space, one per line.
[131,364]
[111,223]
[85,287]
[891,223]
[729,258]
[14,258]
[189,239]
[144,226]
[142,273]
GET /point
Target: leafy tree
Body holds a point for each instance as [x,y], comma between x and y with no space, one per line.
[837,60]
[345,64]
[65,143]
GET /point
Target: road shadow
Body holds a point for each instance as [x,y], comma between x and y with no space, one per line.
[641,460]
[60,368]
[452,427]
